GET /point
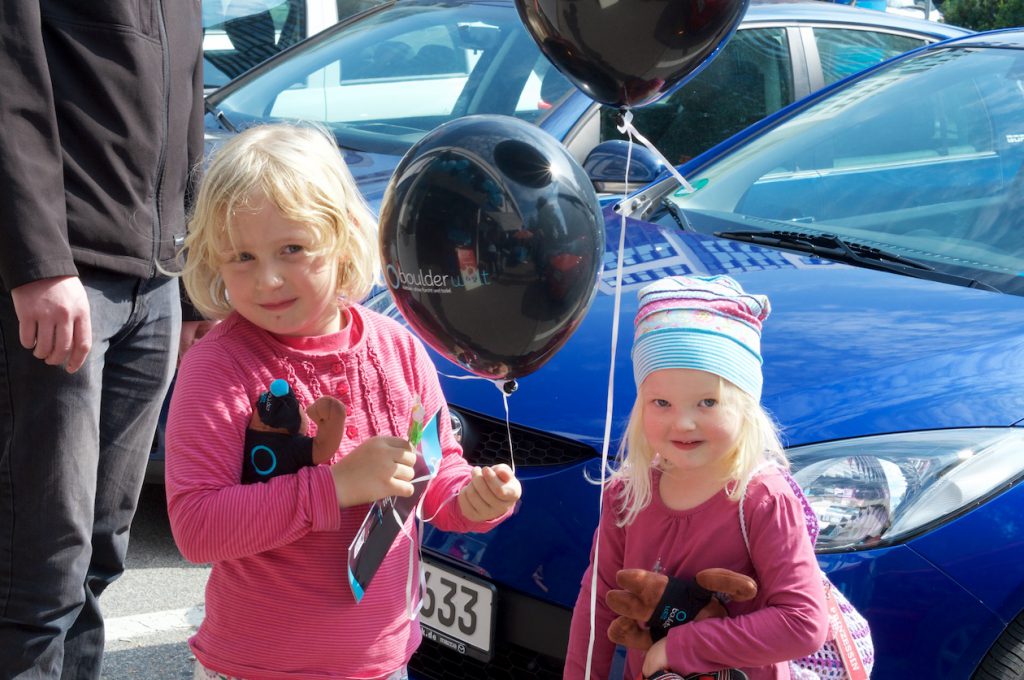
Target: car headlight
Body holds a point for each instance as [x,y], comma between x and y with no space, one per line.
[879,490]
[458,424]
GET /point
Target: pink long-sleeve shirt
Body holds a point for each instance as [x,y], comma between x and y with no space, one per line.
[788,618]
[278,603]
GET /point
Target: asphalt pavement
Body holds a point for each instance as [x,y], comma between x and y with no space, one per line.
[155,606]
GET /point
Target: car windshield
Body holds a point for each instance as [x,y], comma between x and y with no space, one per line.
[383,82]
[921,160]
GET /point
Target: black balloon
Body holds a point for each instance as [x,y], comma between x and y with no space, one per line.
[491,241]
[630,53]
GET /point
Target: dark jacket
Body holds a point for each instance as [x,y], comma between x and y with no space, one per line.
[100,124]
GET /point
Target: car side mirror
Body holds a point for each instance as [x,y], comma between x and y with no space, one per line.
[606,166]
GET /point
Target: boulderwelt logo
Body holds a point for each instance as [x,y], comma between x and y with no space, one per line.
[429,282]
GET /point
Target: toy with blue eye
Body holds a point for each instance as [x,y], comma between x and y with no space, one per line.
[276,442]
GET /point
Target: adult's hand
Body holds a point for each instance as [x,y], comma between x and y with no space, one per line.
[192,331]
[54,320]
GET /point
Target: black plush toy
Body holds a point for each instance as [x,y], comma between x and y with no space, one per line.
[276,442]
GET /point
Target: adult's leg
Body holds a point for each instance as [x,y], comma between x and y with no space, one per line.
[54,559]
[140,360]
[49,437]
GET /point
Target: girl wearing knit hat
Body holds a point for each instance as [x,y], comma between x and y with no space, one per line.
[697,443]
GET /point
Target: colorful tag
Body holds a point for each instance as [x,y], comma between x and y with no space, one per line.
[430,447]
[416,419]
[388,516]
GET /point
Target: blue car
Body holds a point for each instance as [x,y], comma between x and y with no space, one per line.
[883,218]
[461,57]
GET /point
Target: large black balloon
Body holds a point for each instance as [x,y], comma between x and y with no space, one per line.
[491,240]
[629,53]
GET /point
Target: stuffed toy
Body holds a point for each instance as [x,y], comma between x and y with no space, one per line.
[663,602]
[276,441]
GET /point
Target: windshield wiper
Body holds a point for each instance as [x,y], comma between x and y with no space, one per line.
[219,115]
[835,248]
[825,245]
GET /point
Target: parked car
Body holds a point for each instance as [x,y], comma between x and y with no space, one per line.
[419,63]
[882,218]
[239,34]
[384,79]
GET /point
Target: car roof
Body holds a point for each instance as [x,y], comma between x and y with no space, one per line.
[830,12]
[789,11]
[1006,37]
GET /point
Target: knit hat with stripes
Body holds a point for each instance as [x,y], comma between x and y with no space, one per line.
[704,323]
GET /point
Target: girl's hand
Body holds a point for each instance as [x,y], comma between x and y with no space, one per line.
[377,468]
[656,658]
[490,493]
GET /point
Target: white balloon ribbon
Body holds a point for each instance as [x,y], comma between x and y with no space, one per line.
[626,128]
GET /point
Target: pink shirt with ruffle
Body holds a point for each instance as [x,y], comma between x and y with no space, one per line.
[278,603]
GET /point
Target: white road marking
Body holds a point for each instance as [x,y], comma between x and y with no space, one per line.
[127,628]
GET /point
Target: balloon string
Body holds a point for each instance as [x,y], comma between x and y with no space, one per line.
[627,128]
[414,601]
[502,386]
[508,430]
[608,408]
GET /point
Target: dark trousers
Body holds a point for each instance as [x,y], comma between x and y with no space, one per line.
[73,452]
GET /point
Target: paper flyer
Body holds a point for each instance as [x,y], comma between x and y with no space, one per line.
[386,517]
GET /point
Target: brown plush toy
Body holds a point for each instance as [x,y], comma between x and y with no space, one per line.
[663,602]
[276,442]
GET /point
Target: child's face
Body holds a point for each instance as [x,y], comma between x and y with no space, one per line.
[274,281]
[685,421]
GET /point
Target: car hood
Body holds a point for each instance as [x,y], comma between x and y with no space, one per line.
[847,351]
[371,172]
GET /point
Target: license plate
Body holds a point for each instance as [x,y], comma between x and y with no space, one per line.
[458,611]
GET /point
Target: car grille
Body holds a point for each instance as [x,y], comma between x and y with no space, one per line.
[485,442]
[510,662]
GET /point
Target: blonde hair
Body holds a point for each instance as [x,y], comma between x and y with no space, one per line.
[757,443]
[299,169]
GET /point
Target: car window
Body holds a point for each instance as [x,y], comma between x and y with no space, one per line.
[384,81]
[239,34]
[844,52]
[940,182]
[750,79]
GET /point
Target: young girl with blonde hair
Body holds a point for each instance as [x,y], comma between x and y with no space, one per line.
[698,441]
[281,247]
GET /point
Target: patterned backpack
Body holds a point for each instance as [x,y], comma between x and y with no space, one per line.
[848,653]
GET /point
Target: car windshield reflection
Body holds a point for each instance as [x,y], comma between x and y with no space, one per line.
[386,81]
[938,182]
